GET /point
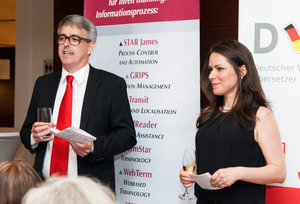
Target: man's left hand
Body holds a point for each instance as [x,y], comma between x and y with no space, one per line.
[80,148]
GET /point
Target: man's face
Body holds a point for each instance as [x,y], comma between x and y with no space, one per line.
[74,57]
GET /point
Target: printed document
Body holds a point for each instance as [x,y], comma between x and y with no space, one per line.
[73,134]
[203,181]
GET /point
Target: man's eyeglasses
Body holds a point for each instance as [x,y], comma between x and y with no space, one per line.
[73,40]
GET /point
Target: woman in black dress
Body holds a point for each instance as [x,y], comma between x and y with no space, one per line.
[238,141]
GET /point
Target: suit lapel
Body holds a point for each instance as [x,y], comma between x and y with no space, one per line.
[90,92]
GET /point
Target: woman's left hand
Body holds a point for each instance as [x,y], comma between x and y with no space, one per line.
[225,177]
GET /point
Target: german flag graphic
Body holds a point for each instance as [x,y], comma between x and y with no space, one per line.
[294,36]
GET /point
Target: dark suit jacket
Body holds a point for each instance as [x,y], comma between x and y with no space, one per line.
[105,114]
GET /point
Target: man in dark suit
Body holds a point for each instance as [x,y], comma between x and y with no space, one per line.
[100,107]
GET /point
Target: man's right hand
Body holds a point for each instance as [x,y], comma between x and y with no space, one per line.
[40,130]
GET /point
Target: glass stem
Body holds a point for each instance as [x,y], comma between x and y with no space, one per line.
[186,193]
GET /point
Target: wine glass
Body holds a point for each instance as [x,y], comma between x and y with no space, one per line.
[44,114]
[189,166]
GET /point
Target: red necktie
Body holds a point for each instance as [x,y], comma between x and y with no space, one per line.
[60,149]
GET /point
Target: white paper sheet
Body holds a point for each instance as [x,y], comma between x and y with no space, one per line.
[73,134]
[203,181]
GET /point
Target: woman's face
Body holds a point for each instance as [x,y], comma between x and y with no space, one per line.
[223,78]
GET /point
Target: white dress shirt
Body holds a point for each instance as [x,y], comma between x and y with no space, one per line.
[79,86]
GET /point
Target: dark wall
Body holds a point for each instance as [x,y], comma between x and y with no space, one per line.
[63,8]
[7,90]
[218,21]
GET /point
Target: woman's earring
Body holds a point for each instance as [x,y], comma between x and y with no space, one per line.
[241,77]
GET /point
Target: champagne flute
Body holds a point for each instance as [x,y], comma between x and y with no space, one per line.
[189,166]
[45,115]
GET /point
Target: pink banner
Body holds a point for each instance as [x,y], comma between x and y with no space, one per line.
[113,12]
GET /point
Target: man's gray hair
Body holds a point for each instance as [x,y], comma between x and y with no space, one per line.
[75,190]
[79,22]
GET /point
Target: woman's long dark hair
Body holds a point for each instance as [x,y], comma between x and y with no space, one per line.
[249,92]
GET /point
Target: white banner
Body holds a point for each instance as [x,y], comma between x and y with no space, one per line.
[160,62]
[269,29]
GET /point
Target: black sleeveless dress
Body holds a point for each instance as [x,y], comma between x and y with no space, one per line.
[221,145]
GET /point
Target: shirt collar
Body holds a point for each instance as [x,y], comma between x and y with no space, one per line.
[79,75]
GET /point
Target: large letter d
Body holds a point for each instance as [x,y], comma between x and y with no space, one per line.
[257,37]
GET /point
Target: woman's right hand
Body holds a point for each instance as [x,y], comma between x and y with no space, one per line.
[186,180]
